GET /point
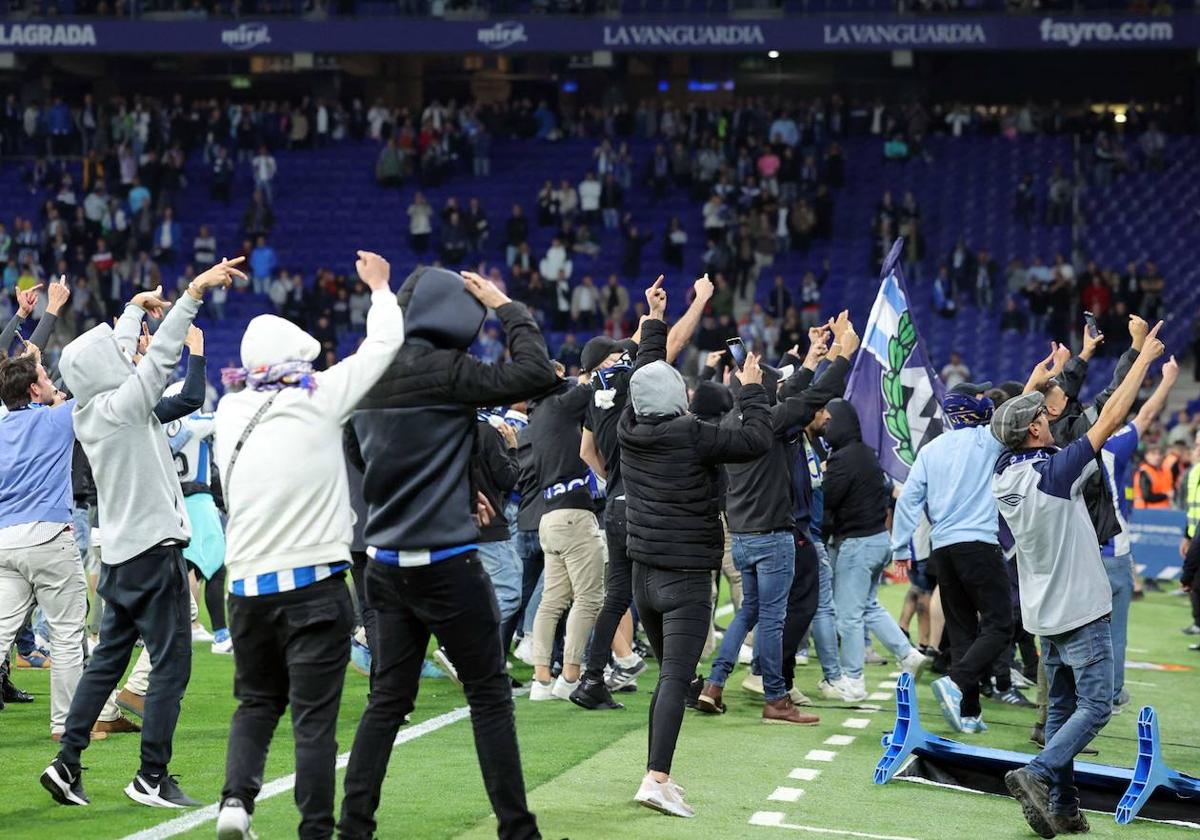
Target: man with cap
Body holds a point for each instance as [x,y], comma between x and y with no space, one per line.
[1065,594]
[950,481]
[610,363]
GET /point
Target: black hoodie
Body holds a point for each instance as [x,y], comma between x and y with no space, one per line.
[416,428]
[857,494]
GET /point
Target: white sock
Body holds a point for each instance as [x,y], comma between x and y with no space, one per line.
[628,661]
[567,682]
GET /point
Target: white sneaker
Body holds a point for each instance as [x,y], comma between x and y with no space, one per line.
[799,698]
[914,663]
[199,634]
[829,690]
[539,691]
[851,690]
[802,657]
[233,823]
[524,650]
[745,655]
[753,684]
[664,797]
[561,689]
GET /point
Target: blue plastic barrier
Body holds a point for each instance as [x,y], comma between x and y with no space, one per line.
[1151,772]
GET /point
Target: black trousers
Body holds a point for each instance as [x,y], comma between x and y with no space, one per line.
[978,607]
[533,562]
[147,597]
[802,605]
[675,608]
[618,590]
[214,595]
[452,599]
[290,648]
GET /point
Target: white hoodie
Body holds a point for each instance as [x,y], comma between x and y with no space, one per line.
[288,498]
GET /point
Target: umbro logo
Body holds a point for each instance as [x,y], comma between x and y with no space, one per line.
[1011,499]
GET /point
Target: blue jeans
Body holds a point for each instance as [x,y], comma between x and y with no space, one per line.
[503,566]
[768,564]
[1120,578]
[857,564]
[1079,673]
[83,531]
[824,624]
[529,549]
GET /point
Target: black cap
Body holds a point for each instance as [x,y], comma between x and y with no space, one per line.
[600,348]
[970,389]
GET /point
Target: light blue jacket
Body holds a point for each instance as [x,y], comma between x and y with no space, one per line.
[951,481]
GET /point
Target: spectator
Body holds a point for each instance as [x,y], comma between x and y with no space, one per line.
[476,225]
[631,254]
[259,218]
[673,243]
[146,276]
[611,200]
[614,299]
[1059,195]
[1024,204]
[943,299]
[1012,319]
[589,199]
[263,263]
[516,233]
[221,176]
[389,166]
[568,200]
[585,305]
[985,282]
[955,373]
[1153,145]
[278,292]
[556,264]
[420,224]
[167,237]
[360,302]
[1152,286]
[548,205]
[139,196]
[204,247]
[714,214]
[481,152]
[569,354]
[585,242]
[780,300]
[264,169]
[455,242]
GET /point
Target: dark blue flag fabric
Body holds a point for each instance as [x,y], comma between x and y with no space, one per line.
[896,393]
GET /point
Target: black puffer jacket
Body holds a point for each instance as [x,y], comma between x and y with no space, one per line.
[671,472]
[416,428]
[857,494]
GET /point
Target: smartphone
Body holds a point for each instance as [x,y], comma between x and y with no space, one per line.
[737,351]
[1093,328]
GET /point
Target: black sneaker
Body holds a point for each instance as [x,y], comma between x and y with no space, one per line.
[1034,797]
[593,694]
[1074,823]
[162,792]
[621,677]
[1014,698]
[692,699]
[64,784]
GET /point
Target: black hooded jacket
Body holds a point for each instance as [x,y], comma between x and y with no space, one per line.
[416,427]
[857,495]
[759,495]
[670,465]
[494,474]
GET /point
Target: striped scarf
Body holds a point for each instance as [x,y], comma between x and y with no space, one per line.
[272,377]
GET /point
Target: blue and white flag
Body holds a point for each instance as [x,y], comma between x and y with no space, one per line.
[896,393]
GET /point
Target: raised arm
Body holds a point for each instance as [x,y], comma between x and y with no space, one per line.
[57,296]
[341,387]
[653,346]
[1137,332]
[528,374]
[1048,368]
[681,334]
[1153,407]
[191,397]
[26,301]
[1116,409]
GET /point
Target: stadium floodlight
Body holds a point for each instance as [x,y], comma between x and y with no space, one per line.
[773,54]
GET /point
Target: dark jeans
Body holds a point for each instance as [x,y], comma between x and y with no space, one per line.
[675,608]
[1079,673]
[618,590]
[801,606]
[358,572]
[978,608]
[533,561]
[146,597]
[290,648]
[453,599]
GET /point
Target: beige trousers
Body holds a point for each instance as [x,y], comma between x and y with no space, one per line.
[574,577]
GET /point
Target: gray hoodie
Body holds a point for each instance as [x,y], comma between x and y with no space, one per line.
[658,390]
[140,500]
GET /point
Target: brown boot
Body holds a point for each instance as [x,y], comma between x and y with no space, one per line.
[784,710]
[709,700]
[115,727]
[135,704]
[92,736]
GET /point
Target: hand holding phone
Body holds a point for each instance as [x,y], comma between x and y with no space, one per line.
[737,351]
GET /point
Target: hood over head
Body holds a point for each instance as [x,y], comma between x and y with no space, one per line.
[93,364]
[711,400]
[438,309]
[658,390]
[843,428]
[271,340]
